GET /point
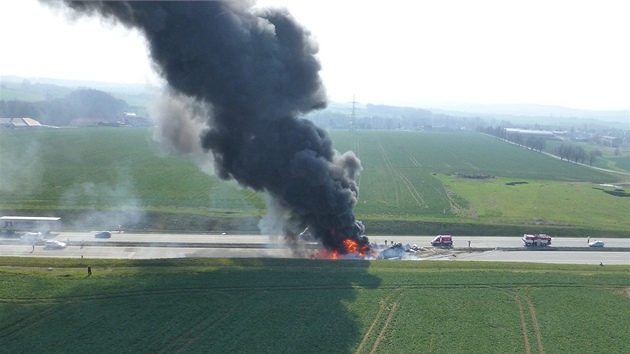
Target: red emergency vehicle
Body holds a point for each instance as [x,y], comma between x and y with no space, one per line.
[536,240]
[442,241]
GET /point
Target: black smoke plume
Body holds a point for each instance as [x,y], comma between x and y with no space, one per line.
[255,72]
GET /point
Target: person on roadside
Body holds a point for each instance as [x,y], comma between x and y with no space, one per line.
[89,270]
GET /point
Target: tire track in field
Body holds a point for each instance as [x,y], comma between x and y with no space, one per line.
[380,336]
[381,308]
[390,168]
[532,312]
[451,201]
[124,294]
[534,321]
[36,318]
[186,338]
[378,318]
[431,340]
[453,205]
[528,348]
[413,191]
[356,153]
[239,289]
[414,161]
[395,173]
[409,183]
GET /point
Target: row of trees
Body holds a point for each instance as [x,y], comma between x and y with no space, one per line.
[577,154]
[566,152]
[83,103]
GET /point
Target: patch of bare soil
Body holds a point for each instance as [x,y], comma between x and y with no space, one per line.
[623,291]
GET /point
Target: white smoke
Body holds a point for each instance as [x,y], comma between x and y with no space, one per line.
[22,168]
[116,203]
[180,121]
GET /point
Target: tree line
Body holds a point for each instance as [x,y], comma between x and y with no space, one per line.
[577,154]
[567,152]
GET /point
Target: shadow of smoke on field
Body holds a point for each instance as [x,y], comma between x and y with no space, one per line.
[225,305]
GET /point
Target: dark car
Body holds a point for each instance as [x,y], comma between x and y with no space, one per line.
[103,234]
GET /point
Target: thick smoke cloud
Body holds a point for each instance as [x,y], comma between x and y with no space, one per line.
[254,72]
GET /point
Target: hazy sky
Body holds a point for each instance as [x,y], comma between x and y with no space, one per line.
[417,52]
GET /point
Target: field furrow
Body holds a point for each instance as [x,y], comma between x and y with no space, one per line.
[381,335]
[229,304]
[528,349]
[390,169]
[382,305]
[537,331]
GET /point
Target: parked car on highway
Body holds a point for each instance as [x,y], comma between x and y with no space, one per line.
[103,234]
[54,245]
[596,244]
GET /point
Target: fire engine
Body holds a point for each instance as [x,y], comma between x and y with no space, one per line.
[442,240]
[536,240]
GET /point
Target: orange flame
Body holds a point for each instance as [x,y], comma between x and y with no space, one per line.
[352,248]
[326,254]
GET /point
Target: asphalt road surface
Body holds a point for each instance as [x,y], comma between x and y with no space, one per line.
[155,245]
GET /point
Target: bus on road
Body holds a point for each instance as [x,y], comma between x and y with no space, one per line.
[21,224]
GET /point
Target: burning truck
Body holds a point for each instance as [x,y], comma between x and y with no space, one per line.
[238,79]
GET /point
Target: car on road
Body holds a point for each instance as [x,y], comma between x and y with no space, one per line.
[103,234]
[54,245]
[596,244]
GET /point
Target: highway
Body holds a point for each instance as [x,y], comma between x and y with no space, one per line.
[160,245]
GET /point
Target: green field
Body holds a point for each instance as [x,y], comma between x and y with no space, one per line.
[411,184]
[311,306]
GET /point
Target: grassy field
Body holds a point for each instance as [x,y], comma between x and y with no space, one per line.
[311,306]
[411,184]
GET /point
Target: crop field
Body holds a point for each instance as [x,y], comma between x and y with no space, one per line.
[311,306]
[409,179]
[418,174]
[105,168]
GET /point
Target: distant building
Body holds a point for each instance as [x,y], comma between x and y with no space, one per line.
[97,122]
[545,134]
[611,141]
[127,120]
[12,123]
[133,120]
